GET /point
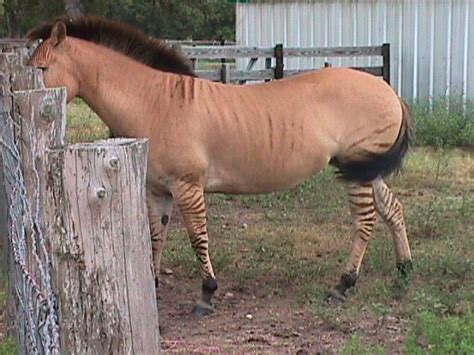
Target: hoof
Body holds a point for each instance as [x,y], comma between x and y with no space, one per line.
[335,298]
[405,267]
[202,309]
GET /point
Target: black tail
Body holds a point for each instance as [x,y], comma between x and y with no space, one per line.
[379,164]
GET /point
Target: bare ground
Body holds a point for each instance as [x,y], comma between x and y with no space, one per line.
[270,299]
[260,313]
[277,256]
[260,322]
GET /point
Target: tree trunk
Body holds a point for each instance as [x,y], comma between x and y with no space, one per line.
[74,7]
[12,17]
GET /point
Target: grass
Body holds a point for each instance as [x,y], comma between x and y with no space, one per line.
[296,242]
[440,126]
[356,346]
[83,124]
[8,346]
[441,335]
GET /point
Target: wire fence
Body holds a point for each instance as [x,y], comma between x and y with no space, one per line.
[28,259]
[63,300]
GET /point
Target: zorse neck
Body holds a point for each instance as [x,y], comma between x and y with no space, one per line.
[124,93]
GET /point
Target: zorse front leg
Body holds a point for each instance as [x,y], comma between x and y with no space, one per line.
[160,207]
[190,200]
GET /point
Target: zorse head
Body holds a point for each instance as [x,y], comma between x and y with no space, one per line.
[52,56]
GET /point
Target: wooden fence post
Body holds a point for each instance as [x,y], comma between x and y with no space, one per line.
[105,289]
[25,135]
[41,116]
[101,248]
[6,105]
[386,62]
[13,76]
[225,73]
[268,65]
[279,61]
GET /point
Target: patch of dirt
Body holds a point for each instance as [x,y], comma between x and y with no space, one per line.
[260,322]
[259,317]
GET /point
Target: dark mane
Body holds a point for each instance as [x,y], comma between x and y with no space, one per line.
[122,38]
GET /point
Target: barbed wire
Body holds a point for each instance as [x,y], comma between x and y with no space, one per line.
[30,275]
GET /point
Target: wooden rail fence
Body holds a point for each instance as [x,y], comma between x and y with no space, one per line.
[277,54]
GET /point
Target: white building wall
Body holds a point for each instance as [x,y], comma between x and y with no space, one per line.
[432,41]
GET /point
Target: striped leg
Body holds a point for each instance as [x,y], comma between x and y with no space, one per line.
[160,207]
[391,210]
[190,200]
[363,213]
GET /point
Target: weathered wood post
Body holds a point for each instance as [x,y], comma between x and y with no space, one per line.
[77,225]
[101,248]
[268,65]
[25,137]
[5,108]
[12,55]
[386,62]
[279,61]
[225,73]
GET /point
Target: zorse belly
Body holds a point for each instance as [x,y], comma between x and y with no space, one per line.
[257,175]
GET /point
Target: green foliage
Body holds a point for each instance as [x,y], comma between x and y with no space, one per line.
[356,346]
[18,16]
[443,127]
[439,218]
[441,335]
[83,125]
[177,19]
[8,346]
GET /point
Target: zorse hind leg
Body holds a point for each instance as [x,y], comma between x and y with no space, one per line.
[160,207]
[362,208]
[190,200]
[391,210]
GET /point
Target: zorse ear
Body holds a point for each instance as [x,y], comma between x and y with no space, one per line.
[58,33]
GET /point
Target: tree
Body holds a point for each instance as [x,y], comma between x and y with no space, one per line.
[74,7]
[12,18]
[173,19]
[21,15]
